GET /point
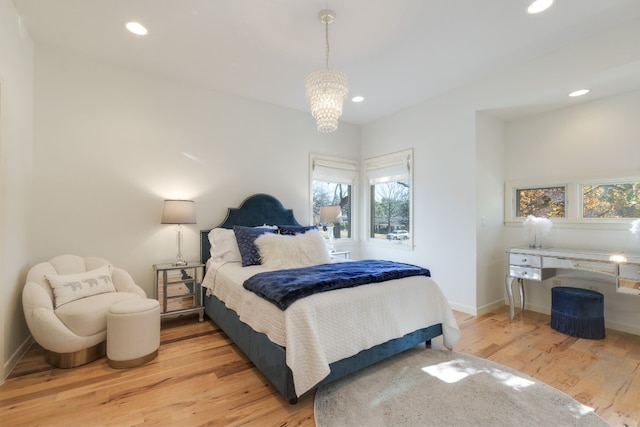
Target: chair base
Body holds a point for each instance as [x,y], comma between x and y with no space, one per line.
[124,364]
[76,358]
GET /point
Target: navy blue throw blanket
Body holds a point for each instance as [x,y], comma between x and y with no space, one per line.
[284,287]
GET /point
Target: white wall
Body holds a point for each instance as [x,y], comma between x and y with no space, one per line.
[459,159]
[595,140]
[442,136]
[109,148]
[16,123]
[490,143]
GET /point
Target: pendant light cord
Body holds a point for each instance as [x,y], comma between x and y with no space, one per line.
[326,39]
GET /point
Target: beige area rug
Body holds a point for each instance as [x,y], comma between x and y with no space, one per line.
[426,387]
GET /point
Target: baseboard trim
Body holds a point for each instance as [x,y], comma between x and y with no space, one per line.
[488,308]
[16,356]
[463,308]
[478,311]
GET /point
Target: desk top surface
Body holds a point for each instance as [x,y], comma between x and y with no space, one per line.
[586,254]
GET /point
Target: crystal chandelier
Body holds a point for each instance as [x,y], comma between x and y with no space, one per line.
[327,88]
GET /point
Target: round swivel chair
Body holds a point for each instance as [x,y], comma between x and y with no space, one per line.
[75,332]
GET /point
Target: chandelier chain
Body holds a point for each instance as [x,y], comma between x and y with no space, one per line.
[326,40]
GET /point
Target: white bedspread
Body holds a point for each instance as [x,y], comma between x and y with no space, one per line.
[330,326]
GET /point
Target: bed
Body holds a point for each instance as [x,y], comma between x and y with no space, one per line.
[322,337]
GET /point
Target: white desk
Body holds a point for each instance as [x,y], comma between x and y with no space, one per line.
[541,264]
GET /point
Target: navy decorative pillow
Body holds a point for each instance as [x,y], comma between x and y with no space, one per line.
[246,237]
[292,230]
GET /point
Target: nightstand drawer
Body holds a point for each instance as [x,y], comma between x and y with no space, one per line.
[525,272]
[630,271]
[525,259]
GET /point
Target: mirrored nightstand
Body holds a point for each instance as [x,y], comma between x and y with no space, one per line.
[178,289]
[343,254]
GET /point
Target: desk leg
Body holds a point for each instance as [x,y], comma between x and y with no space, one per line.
[509,284]
[521,289]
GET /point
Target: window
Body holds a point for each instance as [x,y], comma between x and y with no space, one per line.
[543,202]
[603,201]
[332,184]
[391,198]
[614,200]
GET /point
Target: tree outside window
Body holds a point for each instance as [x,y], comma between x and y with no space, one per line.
[333,181]
[619,200]
[333,194]
[390,210]
[604,200]
[390,197]
[542,202]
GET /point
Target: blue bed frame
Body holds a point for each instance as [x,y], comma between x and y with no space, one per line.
[268,357]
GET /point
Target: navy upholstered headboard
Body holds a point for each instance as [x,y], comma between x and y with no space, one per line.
[255,210]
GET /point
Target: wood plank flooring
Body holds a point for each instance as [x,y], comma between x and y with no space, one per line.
[200,378]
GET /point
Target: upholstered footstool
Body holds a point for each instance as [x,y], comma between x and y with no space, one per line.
[577,312]
[133,332]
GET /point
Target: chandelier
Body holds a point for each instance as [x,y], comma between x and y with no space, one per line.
[327,88]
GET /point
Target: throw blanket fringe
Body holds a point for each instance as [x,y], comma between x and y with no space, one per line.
[284,287]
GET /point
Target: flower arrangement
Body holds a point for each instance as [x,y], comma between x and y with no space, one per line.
[535,228]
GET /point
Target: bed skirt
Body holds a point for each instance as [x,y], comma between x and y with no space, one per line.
[270,358]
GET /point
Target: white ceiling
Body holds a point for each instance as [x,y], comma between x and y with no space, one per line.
[395,52]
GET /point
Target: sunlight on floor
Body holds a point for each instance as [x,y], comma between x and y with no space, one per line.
[579,410]
[458,369]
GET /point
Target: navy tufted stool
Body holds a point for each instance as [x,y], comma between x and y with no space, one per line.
[577,312]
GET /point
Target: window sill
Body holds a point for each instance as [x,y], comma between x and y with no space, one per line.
[600,224]
[405,245]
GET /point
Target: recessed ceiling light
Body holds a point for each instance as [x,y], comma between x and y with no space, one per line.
[538,6]
[136,28]
[579,92]
[357,98]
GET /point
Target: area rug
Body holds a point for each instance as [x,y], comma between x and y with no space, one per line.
[426,387]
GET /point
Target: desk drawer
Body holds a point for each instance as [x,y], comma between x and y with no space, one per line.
[525,272]
[630,271]
[525,259]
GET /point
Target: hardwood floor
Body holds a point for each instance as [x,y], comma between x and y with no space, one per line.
[200,378]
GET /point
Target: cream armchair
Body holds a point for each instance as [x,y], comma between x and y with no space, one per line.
[64,311]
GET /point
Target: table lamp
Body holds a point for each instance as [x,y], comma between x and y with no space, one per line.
[330,215]
[179,212]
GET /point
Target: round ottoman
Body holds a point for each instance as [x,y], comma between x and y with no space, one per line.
[133,332]
[577,312]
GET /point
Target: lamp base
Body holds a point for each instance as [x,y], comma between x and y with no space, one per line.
[180,263]
[332,249]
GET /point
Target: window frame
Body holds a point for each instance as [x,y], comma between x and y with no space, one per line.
[379,163]
[340,164]
[539,187]
[574,201]
[610,181]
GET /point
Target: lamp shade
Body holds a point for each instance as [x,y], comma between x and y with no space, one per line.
[178,212]
[330,214]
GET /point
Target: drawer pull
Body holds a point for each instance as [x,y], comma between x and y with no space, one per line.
[524,260]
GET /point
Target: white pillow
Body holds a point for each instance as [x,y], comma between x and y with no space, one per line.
[71,287]
[224,246]
[281,251]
